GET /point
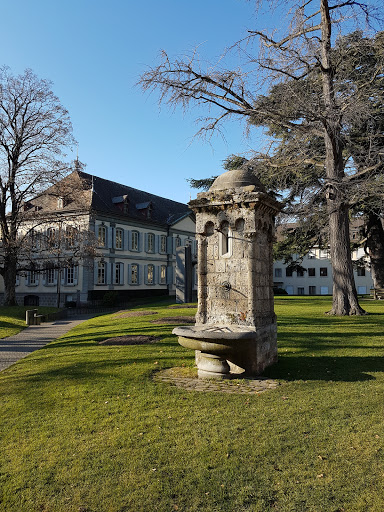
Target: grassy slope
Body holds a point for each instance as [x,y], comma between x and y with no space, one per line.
[83,426]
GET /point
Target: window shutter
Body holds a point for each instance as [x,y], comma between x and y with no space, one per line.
[129,281]
[140,242]
[126,236]
[113,238]
[63,275]
[139,274]
[145,274]
[157,243]
[169,274]
[27,278]
[146,242]
[75,274]
[174,245]
[44,278]
[109,236]
[108,271]
[95,268]
[169,245]
[121,273]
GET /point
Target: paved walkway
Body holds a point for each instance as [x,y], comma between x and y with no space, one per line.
[33,337]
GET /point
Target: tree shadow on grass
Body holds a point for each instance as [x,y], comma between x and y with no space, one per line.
[325,368]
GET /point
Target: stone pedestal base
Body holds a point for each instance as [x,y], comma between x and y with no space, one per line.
[211,366]
[221,350]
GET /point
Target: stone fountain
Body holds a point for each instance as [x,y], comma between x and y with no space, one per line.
[235,328]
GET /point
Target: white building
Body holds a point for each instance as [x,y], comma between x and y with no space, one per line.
[317,278]
[136,235]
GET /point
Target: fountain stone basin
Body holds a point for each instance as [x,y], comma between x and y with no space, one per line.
[220,349]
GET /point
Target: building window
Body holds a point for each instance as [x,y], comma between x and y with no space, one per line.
[312,290]
[323,272]
[178,241]
[119,238]
[60,203]
[70,237]
[163,243]
[135,241]
[311,272]
[51,237]
[278,272]
[300,291]
[72,274]
[361,271]
[118,273]
[163,274]
[101,273]
[134,273]
[288,272]
[300,273]
[102,236]
[33,278]
[150,274]
[150,242]
[50,276]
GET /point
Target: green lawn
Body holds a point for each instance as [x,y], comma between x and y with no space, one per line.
[84,428]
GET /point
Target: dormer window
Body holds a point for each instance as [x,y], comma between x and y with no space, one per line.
[145,209]
[122,202]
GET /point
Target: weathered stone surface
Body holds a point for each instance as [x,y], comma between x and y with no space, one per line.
[235,232]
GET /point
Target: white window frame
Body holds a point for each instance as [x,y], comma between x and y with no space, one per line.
[119,237]
[163,274]
[117,273]
[135,240]
[101,273]
[163,244]
[102,236]
[150,242]
[33,278]
[71,275]
[50,275]
[134,274]
[150,274]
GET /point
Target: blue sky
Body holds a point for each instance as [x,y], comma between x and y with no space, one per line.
[94,53]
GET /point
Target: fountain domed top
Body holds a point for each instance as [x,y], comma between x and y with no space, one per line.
[237,178]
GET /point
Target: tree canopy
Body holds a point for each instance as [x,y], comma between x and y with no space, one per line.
[302,67]
[35,130]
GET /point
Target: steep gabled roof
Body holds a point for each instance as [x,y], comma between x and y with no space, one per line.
[135,204]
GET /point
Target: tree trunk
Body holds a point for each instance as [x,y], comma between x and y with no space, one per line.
[9,276]
[375,246]
[345,300]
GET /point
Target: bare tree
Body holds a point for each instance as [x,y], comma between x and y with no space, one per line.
[304,51]
[35,129]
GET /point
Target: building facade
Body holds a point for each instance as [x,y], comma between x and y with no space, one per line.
[316,279]
[135,239]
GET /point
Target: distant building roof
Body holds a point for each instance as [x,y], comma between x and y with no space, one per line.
[114,198]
